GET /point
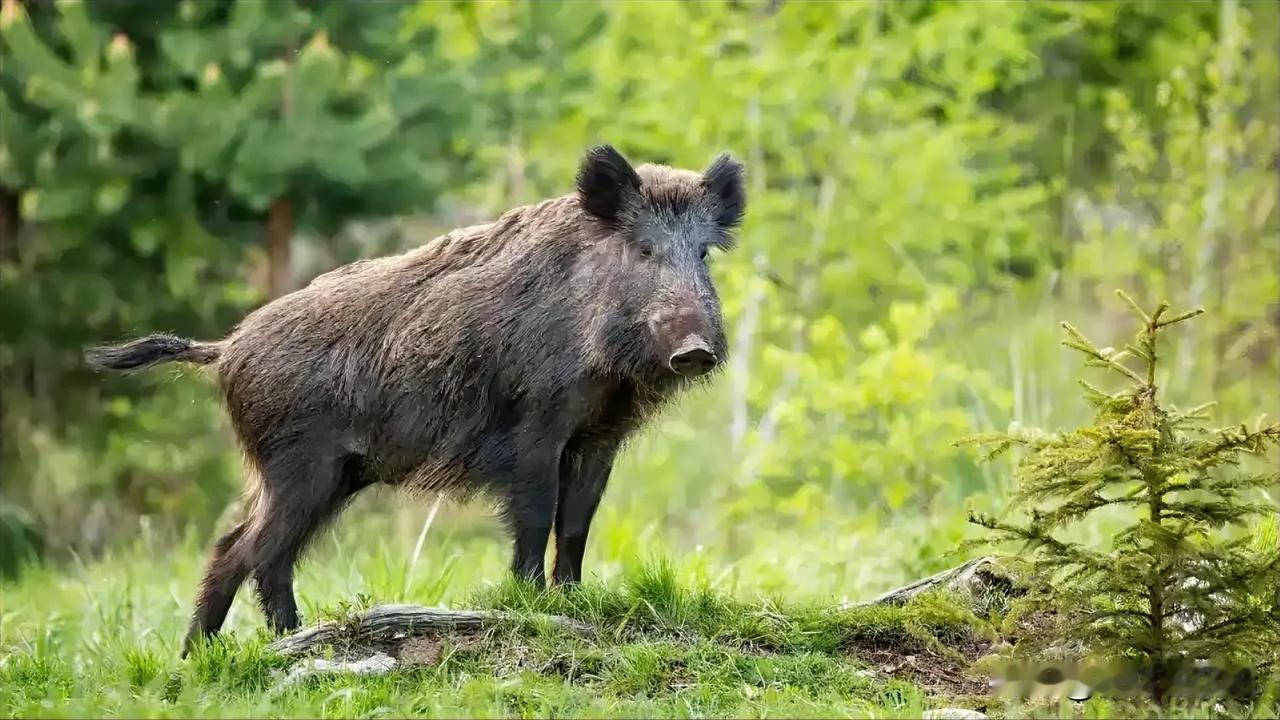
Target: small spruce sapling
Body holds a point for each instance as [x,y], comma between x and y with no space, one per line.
[1194,575]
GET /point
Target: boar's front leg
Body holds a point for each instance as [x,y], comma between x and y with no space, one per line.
[530,512]
[584,473]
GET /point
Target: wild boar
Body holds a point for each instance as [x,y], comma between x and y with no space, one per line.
[511,358]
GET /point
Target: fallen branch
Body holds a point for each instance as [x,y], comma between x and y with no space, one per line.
[974,578]
[395,623]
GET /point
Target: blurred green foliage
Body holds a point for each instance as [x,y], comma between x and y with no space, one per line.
[930,183]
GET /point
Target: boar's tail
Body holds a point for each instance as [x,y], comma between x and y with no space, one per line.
[151,350]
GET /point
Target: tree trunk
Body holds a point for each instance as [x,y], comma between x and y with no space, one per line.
[280,214]
[279,237]
[10,224]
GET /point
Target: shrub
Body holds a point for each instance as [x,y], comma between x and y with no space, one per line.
[1193,573]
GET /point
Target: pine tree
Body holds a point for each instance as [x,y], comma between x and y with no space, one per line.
[160,160]
[1195,572]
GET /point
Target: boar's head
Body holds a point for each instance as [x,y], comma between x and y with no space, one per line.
[661,316]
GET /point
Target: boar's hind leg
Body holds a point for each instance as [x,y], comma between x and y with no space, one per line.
[301,495]
[583,476]
[226,570]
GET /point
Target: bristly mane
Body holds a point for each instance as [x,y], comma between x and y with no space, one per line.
[670,191]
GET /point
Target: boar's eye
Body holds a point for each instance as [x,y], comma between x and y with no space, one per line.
[646,250]
[702,253]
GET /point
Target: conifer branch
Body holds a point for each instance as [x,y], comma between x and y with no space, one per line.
[1161,309]
[1195,413]
[1184,316]
[1081,344]
[1146,319]
[1137,351]
[1229,441]
[1217,627]
[1110,614]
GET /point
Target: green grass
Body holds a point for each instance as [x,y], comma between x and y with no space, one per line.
[100,638]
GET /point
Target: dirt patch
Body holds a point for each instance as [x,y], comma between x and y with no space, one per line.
[426,650]
[938,673]
[420,651]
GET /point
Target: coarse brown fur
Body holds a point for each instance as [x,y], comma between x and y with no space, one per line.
[511,358]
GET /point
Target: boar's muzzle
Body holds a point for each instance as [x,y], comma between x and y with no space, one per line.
[694,357]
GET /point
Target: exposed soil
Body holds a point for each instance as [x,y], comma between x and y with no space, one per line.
[937,672]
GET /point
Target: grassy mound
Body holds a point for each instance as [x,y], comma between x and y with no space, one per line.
[660,650]
[101,640]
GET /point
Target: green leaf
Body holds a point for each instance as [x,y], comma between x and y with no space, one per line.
[190,49]
[84,40]
[55,203]
[315,79]
[111,196]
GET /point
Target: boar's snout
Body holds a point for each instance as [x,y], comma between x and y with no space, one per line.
[688,337]
[694,357]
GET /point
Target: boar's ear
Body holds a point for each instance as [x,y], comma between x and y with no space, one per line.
[606,182]
[723,184]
